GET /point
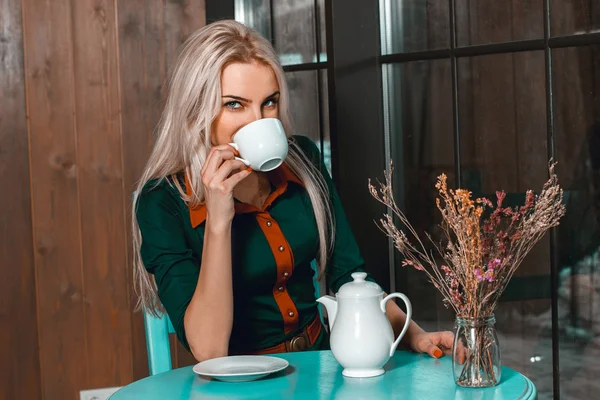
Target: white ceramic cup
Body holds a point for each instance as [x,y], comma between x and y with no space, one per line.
[262,144]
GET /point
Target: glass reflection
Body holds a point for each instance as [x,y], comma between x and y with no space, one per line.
[413,25]
[418,113]
[577,129]
[295,27]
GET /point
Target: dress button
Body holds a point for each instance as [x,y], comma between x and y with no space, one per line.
[281,288]
[281,248]
[286,274]
[291,313]
[269,223]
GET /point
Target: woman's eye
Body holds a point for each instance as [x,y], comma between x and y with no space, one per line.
[233,104]
[270,103]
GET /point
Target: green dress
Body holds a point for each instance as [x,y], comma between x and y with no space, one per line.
[272,251]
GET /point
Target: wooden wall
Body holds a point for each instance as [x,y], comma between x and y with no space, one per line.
[81,88]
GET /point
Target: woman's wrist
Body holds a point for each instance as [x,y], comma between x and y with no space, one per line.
[413,330]
[219,228]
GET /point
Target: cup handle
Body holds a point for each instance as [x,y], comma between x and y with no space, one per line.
[235,146]
[408,317]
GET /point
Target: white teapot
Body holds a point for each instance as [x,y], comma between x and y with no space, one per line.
[362,339]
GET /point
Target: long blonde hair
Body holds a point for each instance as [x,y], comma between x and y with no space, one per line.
[183,133]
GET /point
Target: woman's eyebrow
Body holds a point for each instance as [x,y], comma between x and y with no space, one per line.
[236,98]
[230,96]
[272,95]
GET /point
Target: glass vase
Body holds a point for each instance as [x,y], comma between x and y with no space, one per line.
[476,356]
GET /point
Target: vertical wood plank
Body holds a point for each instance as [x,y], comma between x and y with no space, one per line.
[531,156]
[182,18]
[488,138]
[142,74]
[184,357]
[490,80]
[20,369]
[467,125]
[494,117]
[156,63]
[55,209]
[173,347]
[572,109]
[532,149]
[527,20]
[104,255]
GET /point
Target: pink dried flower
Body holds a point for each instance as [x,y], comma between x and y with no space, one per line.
[503,239]
[446,270]
[457,298]
[415,265]
[500,198]
[478,274]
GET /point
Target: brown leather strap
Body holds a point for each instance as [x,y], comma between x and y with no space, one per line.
[302,341]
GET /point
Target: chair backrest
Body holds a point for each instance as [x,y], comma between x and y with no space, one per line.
[157,342]
[159,328]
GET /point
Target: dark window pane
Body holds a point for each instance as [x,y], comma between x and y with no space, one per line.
[310,118]
[490,21]
[418,106]
[255,14]
[577,129]
[413,25]
[296,27]
[575,17]
[295,30]
[502,100]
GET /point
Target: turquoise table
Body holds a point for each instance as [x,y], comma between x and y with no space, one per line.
[316,375]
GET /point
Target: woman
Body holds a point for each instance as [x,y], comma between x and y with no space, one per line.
[231,248]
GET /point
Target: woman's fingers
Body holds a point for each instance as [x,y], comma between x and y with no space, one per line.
[236,178]
[226,169]
[214,160]
[461,352]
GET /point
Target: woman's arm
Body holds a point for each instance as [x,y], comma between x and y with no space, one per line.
[209,316]
[436,344]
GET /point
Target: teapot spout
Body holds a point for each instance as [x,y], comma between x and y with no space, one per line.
[330,304]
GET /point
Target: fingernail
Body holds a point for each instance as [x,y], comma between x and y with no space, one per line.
[437,353]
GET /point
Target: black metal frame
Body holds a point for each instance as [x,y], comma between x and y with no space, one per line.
[353,57]
[344,67]
[546,44]
[218,10]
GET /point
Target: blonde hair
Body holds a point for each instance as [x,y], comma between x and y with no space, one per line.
[183,138]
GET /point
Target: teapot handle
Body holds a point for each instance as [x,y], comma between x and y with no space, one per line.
[408,317]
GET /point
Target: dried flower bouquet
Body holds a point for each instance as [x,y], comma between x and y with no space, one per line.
[481,253]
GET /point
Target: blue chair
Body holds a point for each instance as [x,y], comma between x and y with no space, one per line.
[159,328]
[157,342]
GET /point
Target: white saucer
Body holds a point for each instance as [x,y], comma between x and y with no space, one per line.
[240,368]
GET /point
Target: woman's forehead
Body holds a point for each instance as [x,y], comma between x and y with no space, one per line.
[248,80]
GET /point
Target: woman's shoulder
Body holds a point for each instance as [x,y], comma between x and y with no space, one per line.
[158,194]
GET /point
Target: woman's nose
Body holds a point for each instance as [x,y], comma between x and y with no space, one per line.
[257,113]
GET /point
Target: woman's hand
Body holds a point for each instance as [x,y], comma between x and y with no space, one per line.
[220,174]
[436,344]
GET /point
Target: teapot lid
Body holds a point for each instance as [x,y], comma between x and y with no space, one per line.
[359,287]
